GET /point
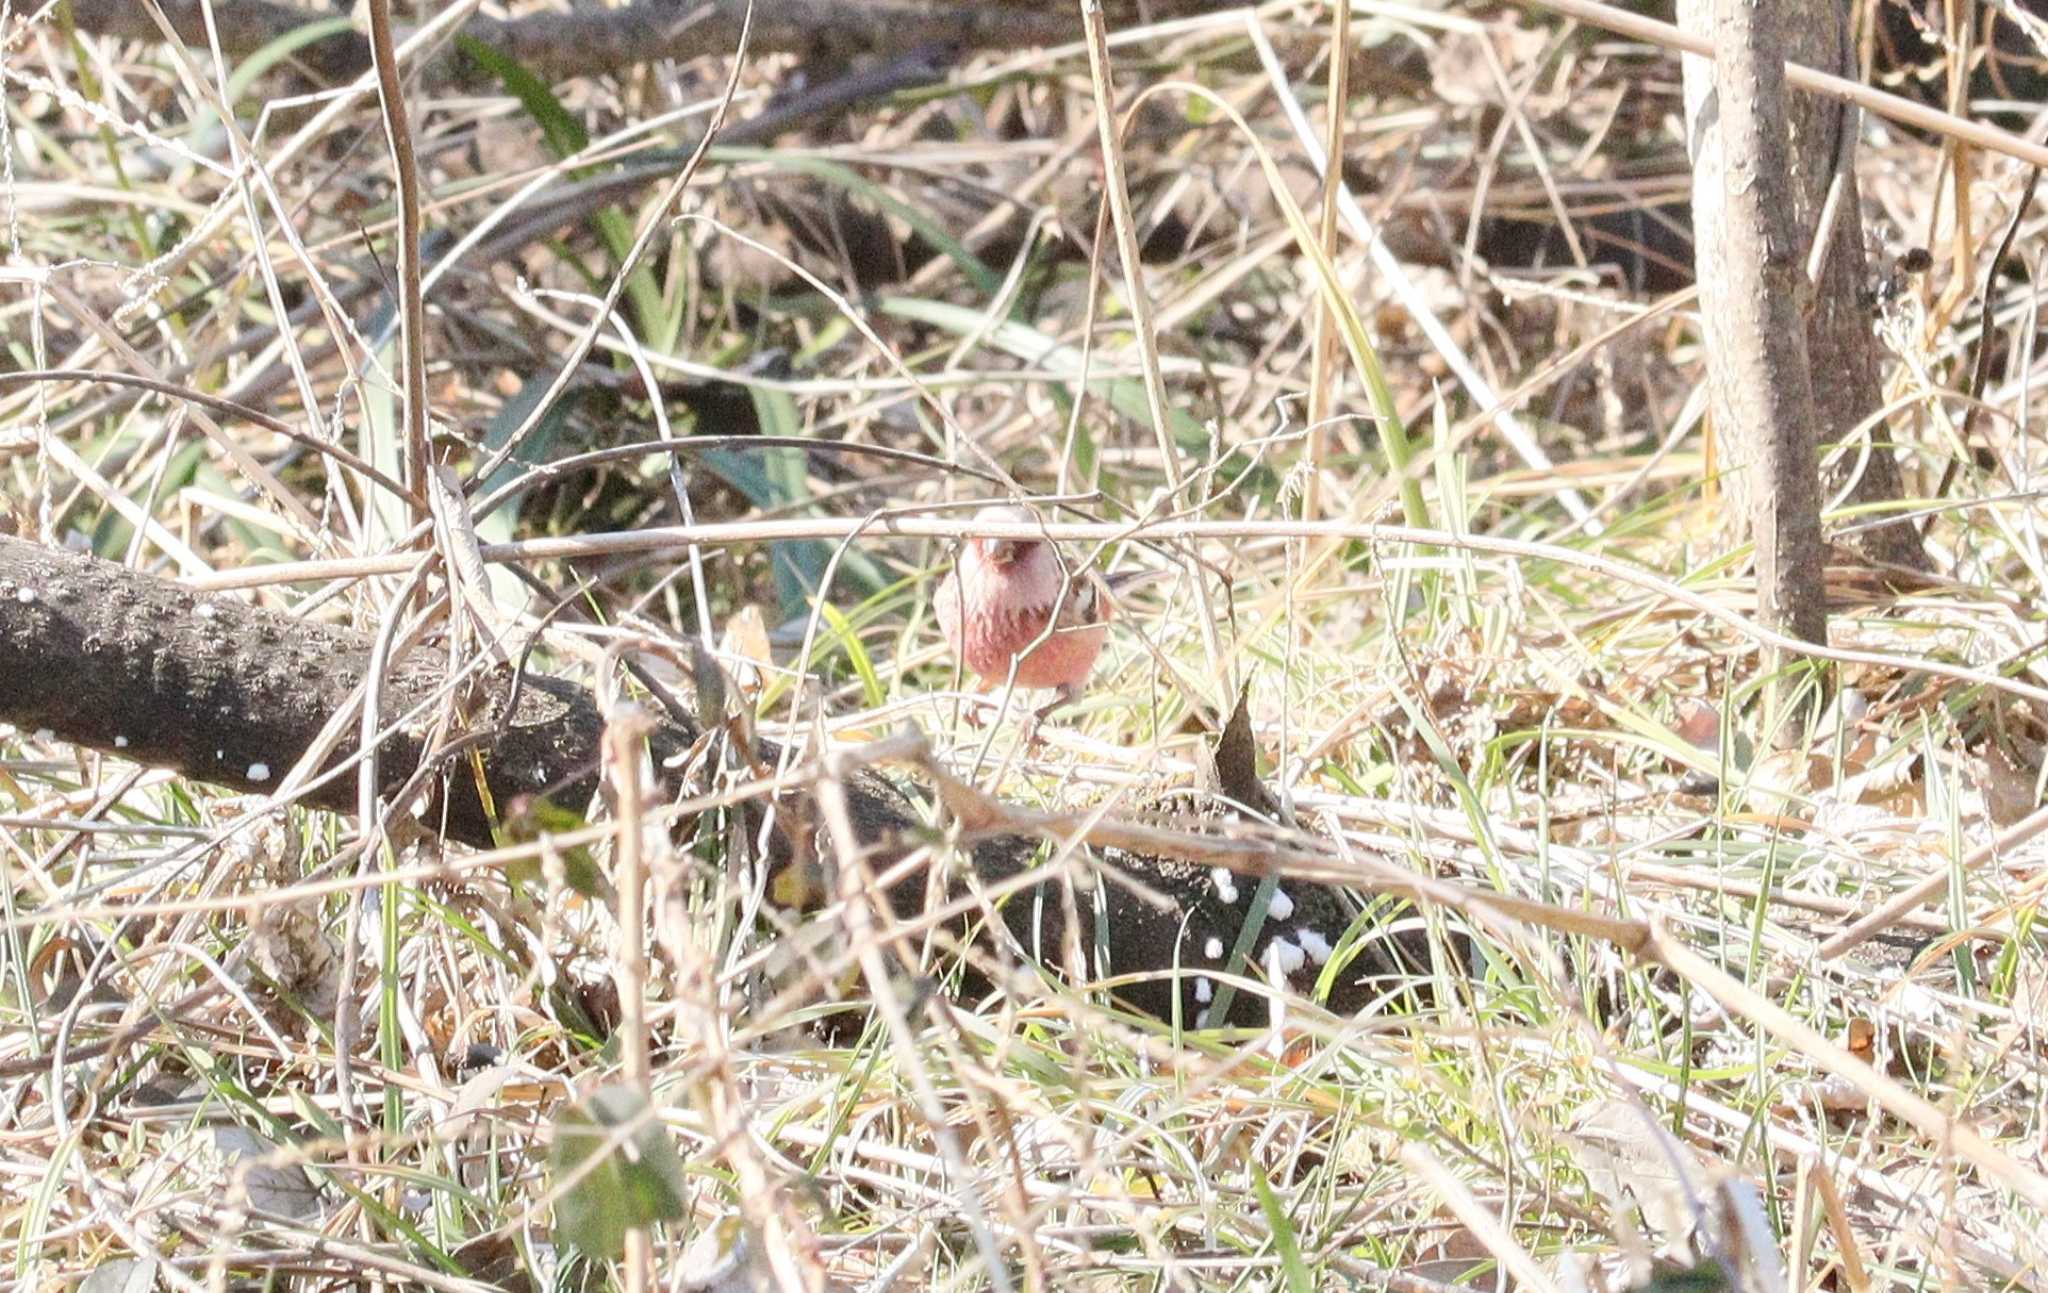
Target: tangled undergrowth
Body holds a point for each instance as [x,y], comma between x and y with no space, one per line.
[1653,1037]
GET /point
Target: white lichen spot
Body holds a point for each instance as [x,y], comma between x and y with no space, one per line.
[1283,906]
[206,610]
[120,742]
[1285,956]
[25,595]
[220,756]
[1213,949]
[1317,947]
[259,772]
[1204,991]
[1226,883]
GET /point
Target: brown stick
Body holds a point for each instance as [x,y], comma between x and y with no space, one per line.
[1895,911]
[412,309]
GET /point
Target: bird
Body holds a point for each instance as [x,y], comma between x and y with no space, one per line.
[1014,612]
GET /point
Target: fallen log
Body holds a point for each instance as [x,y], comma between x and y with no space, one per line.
[228,693]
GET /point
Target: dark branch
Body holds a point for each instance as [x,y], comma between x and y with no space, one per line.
[225,692]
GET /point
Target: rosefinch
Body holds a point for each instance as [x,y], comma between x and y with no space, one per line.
[1002,598]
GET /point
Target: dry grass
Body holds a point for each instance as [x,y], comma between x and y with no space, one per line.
[360,1073]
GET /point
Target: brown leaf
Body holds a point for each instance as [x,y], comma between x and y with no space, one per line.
[1236,760]
[2010,791]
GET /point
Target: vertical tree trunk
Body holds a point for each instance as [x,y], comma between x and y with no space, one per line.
[1841,344]
[1843,353]
[1753,294]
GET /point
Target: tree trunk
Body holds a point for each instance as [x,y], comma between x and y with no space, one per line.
[1812,134]
[1752,295]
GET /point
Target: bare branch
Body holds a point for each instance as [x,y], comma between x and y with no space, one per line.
[222,691]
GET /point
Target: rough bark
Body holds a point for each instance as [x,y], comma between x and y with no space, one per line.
[1843,353]
[224,692]
[227,693]
[1752,297]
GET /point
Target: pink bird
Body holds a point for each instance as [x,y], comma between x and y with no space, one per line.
[1002,598]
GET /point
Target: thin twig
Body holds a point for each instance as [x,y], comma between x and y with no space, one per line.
[624,740]
[1894,911]
[412,308]
[1321,377]
[1981,376]
[1801,77]
[1116,192]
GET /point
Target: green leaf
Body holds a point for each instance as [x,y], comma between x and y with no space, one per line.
[844,176]
[264,542]
[847,638]
[617,1171]
[380,439]
[565,134]
[800,566]
[533,451]
[206,122]
[1707,1277]
[535,817]
[1285,1245]
[567,137]
[112,535]
[780,479]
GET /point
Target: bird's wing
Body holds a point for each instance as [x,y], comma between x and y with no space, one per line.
[1086,603]
[1129,581]
[1093,597]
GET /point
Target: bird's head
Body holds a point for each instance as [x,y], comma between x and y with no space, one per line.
[1001,554]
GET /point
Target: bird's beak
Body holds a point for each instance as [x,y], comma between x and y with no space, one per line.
[1001,552]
